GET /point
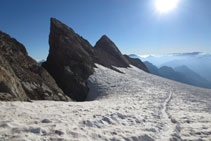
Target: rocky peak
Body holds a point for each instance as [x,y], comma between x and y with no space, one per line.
[62,32]
[105,40]
[59,25]
[107,45]
[108,54]
[70,60]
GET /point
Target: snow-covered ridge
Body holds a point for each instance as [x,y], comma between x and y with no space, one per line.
[130,106]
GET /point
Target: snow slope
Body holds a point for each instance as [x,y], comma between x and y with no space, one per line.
[134,106]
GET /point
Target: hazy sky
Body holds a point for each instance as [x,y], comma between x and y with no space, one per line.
[134,25]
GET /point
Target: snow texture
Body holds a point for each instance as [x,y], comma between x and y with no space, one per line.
[128,106]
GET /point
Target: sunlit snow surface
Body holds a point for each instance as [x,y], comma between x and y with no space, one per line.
[132,106]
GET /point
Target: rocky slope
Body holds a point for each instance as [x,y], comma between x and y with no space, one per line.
[21,78]
[10,86]
[70,60]
[137,63]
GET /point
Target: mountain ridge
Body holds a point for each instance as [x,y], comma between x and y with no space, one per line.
[72,59]
[181,74]
[199,62]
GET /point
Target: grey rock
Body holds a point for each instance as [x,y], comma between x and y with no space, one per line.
[21,77]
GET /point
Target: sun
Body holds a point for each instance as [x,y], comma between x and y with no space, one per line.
[164,6]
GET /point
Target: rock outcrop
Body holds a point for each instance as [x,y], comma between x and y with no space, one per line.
[108,55]
[137,63]
[70,60]
[10,86]
[21,78]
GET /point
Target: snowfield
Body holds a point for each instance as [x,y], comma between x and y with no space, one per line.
[130,106]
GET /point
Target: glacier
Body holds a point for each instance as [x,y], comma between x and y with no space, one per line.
[131,106]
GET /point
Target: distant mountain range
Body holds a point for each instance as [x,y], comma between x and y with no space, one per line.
[181,74]
[198,62]
[189,68]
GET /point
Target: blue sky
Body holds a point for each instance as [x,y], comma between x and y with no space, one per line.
[134,25]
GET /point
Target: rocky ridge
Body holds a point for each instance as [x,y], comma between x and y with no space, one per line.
[70,62]
[71,59]
[21,78]
[137,63]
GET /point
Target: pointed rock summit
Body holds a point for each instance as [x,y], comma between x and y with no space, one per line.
[70,60]
[108,54]
[21,78]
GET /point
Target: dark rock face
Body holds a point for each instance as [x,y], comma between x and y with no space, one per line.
[70,60]
[137,63]
[21,78]
[108,55]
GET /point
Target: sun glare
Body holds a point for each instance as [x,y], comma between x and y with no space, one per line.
[164,6]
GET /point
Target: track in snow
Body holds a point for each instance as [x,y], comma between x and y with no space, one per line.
[171,127]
